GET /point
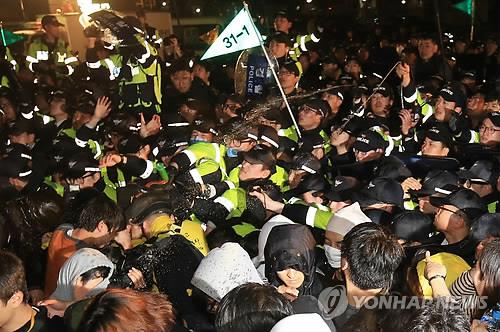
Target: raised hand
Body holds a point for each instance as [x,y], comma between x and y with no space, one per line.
[151,128]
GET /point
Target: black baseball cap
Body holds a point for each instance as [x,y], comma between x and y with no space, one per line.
[18,168]
[305,161]
[205,126]
[330,59]
[18,151]
[283,13]
[393,168]
[483,171]
[79,165]
[453,94]
[167,144]
[469,74]
[336,92]
[412,226]
[440,134]
[274,114]
[342,188]
[352,126]
[465,200]
[198,104]
[308,183]
[384,89]
[270,136]
[310,142]
[347,78]
[261,155]
[51,20]
[370,140]
[318,106]
[495,118]
[381,190]
[20,127]
[130,144]
[434,182]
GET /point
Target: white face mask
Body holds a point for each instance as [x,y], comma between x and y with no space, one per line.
[333,256]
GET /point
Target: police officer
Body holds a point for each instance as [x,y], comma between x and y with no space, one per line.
[48,54]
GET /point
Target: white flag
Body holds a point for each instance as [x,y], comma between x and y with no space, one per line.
[238,35]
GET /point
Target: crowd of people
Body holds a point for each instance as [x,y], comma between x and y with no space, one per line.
[140,191]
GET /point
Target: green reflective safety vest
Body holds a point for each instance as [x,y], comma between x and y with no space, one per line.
[426,110]
[110,189]
[206,150]
[205,168]
[290,133]
[146,75]
[317,215]
[60,55]
[234,200]
[300,45]
[326,145]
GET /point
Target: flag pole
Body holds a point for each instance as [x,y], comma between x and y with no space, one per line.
[472,19]
[283,95]
[4,42]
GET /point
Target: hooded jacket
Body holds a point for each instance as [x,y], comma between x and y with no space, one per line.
[277,220]
[80,262]
[224,269]
[291,246]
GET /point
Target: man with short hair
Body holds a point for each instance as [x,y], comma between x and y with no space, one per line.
[183,86]
[282,22]
[279,45]
[489,131]
[429,62]
[16,315]
[289,77]
[98,223]
[369,257]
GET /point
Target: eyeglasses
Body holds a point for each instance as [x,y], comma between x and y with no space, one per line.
[468,184]
[445,209]
[489,130]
